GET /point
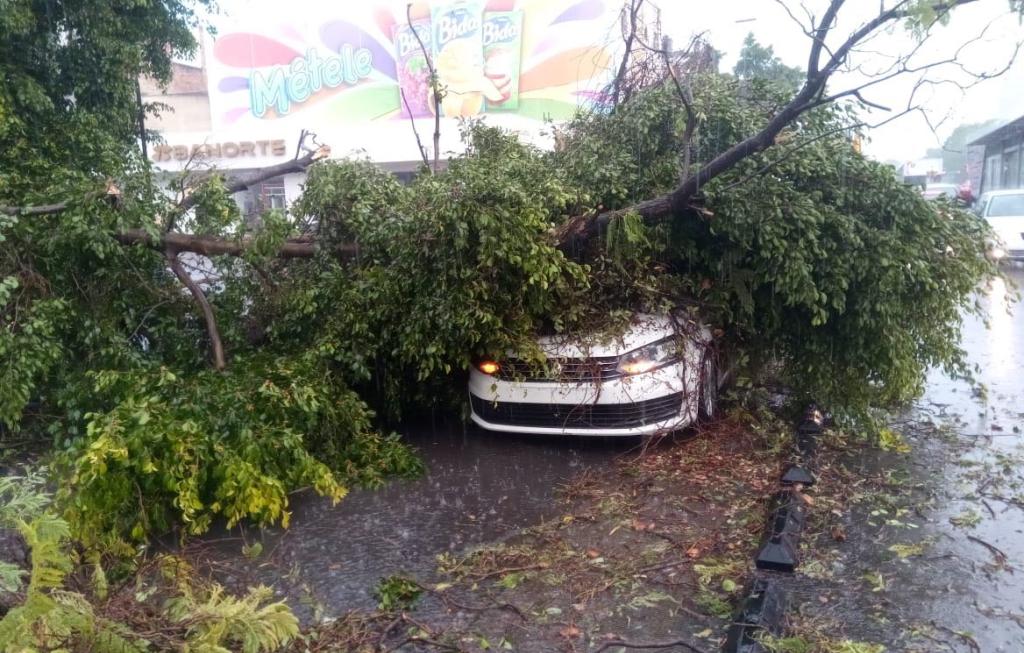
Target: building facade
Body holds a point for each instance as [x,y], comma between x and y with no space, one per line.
[356,75]
[996,157]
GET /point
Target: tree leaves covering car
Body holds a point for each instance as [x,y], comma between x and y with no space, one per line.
[852,294]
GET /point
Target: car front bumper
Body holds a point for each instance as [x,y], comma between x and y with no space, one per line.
[658,401]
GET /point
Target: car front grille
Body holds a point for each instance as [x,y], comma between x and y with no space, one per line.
[586,416]
[562,370]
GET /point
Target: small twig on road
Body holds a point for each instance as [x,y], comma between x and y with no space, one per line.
[647,645]
[667,565]
[424,641]
[387,631]
[998,554]
[509,570]
[419,639]
[449,602]
[931,638]
[1007,500]
[989,508]
[964,637]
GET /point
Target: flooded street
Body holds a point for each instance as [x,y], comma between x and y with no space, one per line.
[477,488]
[979,517]
[932,563]
[933,554]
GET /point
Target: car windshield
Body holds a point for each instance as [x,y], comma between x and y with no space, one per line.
[1005,205]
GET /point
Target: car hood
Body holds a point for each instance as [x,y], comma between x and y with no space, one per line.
[1010,230]
[642,330]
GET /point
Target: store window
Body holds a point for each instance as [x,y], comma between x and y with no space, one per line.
[1011,168]
[272,196]
[992,173]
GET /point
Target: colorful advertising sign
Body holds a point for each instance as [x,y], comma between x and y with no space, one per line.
[357,68]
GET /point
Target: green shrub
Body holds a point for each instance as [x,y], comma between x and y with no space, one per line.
[195,447]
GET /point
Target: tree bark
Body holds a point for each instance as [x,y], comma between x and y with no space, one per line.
[216,346]
[216,246]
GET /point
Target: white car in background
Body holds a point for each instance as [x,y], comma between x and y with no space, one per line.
[660,375]
[1004,211]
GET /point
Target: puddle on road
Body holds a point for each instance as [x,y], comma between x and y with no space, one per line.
[478,487]
[989,599]
[968,451]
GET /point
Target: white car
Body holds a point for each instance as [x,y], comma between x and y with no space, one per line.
[660,375]
[1004,211]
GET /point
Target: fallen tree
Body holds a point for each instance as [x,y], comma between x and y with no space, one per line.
[371,296]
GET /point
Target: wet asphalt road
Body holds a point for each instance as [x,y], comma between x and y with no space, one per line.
[480,487]
[973,593]
[959,496]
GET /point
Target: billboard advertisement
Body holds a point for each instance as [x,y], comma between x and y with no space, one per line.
[357,72]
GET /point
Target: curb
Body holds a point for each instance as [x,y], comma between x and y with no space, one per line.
[764,607]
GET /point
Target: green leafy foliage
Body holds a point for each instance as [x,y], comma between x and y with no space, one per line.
[758,62]
[815,642]
[396,593]
[451,266]
[28,350]
[807,256]
[100,347]
[219,618]
[168,447]
[55,614]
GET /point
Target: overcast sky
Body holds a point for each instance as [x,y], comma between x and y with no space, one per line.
[908,137]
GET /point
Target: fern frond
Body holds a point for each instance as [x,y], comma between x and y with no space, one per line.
[10,576]
[45,537]
[16,626]
[22,498]
[223,619]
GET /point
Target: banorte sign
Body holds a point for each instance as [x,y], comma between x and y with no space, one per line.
[222,150]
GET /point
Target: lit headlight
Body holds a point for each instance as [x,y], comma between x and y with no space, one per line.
[649,357]
[488,366]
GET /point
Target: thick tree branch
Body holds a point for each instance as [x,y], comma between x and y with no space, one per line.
[820,34]
[216,246]
[298,164]
[112,194]
[678,201]
[810,141]
[216,346]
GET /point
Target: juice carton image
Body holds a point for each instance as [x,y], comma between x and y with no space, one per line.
[503,42]
[413,72]
[457,36]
